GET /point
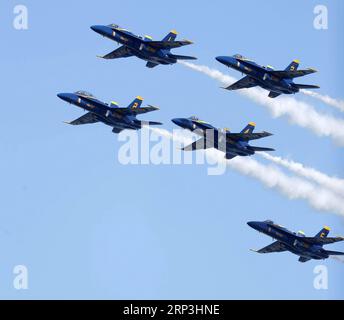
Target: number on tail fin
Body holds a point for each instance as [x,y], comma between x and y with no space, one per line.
[249,128]
[136,103]
[323,233]
[171,36]
[293,66]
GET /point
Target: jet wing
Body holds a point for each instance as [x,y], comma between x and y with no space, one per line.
[85,119]
[246,82]
[322,241]
[292,74]
[168,44]
[121,52]
[200,144]
[274,247]
[135,111]
[248,136]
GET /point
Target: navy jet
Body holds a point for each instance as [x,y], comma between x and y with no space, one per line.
[232,144]
[276,81]
[111,114]
[306,248]
[154,52]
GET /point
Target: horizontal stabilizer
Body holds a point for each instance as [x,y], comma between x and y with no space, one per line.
[179,57]
[149,123]
[305,86]
[334,253]
[260,148]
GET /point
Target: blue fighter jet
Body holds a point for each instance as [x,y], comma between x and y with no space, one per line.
[306,248]
[277,82]
[232,144]
[110,114]
[154,52]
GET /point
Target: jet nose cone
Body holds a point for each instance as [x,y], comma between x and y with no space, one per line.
[223,59]
[65,97]
[178,121]
[100,29]
[253,224]
[95,28]
[220,59]
[228,61]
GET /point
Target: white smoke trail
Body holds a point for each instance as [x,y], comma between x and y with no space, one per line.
[338,258]
[292,187]
[332,183]
[298,112]
[339,104]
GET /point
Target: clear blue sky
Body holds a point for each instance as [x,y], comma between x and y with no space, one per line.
[87,226]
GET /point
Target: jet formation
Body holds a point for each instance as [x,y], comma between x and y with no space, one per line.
[232,144]
[110,114]
[276,81]
[307,248]
[145,48]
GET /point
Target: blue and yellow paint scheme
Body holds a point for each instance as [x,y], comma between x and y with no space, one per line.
[145,48]
[307,248]
[277,82]
[110,114]
[232,144]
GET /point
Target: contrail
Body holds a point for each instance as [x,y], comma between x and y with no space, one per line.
[332,183]
[339,104]
[293,187]
[298,112]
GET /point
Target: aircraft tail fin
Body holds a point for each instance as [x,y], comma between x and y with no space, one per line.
[136,103]
[172,35]
[249,128]
[306,86]
[323,233]
[293,66]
